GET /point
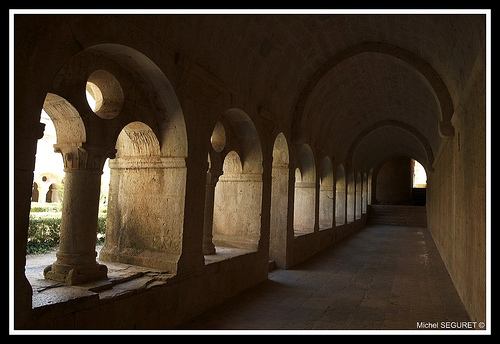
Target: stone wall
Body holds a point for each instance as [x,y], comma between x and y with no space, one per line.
[456,200]
[394,182]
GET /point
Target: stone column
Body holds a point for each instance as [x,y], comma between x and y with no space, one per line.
[212,178]
[76,257]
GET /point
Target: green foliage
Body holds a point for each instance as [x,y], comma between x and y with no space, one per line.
[43,233]
[45,207]
[101,229]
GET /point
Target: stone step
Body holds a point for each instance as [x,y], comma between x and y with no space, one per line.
[398,215]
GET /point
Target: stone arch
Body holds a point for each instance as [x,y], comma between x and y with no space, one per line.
[238,192]
[215,167]
[47,187]
[305,191]
[326,195]
[351,198]
[365,194]
[146,202]
[340,196]
[430,76]
[279,201]
[247,139]
[137,139]
[390,122]
[359,196]
[164,105]
[67,121]
[370,187]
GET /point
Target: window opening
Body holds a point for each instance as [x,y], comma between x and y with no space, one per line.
[47,195]
[104,94]
[419,175]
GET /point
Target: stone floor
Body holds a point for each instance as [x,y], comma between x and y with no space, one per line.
[381,277]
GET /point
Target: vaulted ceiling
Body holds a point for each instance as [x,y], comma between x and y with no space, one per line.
[359,88]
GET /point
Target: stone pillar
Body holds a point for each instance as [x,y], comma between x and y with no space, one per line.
[212,178]
[76,257]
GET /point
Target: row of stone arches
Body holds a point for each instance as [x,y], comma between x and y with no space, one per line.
[341,198]
[46,188]
[146,139]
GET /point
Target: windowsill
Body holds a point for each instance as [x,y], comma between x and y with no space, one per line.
[225,253]
[123,280]
[298,233]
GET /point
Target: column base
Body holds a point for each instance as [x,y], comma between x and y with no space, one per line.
[72,275]
[208,246]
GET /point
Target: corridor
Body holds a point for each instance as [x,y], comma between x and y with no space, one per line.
[380,277]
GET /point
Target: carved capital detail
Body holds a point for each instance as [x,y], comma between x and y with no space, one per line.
[83,157]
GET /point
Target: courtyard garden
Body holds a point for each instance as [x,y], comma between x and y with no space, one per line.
[45,225]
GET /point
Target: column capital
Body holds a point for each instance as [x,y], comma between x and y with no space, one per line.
[82,157]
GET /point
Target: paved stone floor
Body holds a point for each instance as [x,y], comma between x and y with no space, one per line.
[381,277]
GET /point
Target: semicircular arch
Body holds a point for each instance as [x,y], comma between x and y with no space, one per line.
[399,124]
[430,76]
[163,98]
[67,121]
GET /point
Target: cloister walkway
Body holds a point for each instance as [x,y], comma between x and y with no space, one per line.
[381,277]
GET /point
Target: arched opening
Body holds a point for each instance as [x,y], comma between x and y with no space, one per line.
[279,201]
[364,205]
[340,196]
[326,195]
[419,183]
[419,175]
[370,186]
[146,202]
[148,176]
[238,192]
[351,198]
[305,192]
[359,193]
[214,156]
[76,256]
[59,117]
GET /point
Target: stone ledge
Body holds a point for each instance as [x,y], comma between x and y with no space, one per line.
[123,280]
[225,253]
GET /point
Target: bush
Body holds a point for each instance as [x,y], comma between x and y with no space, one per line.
[43,233]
